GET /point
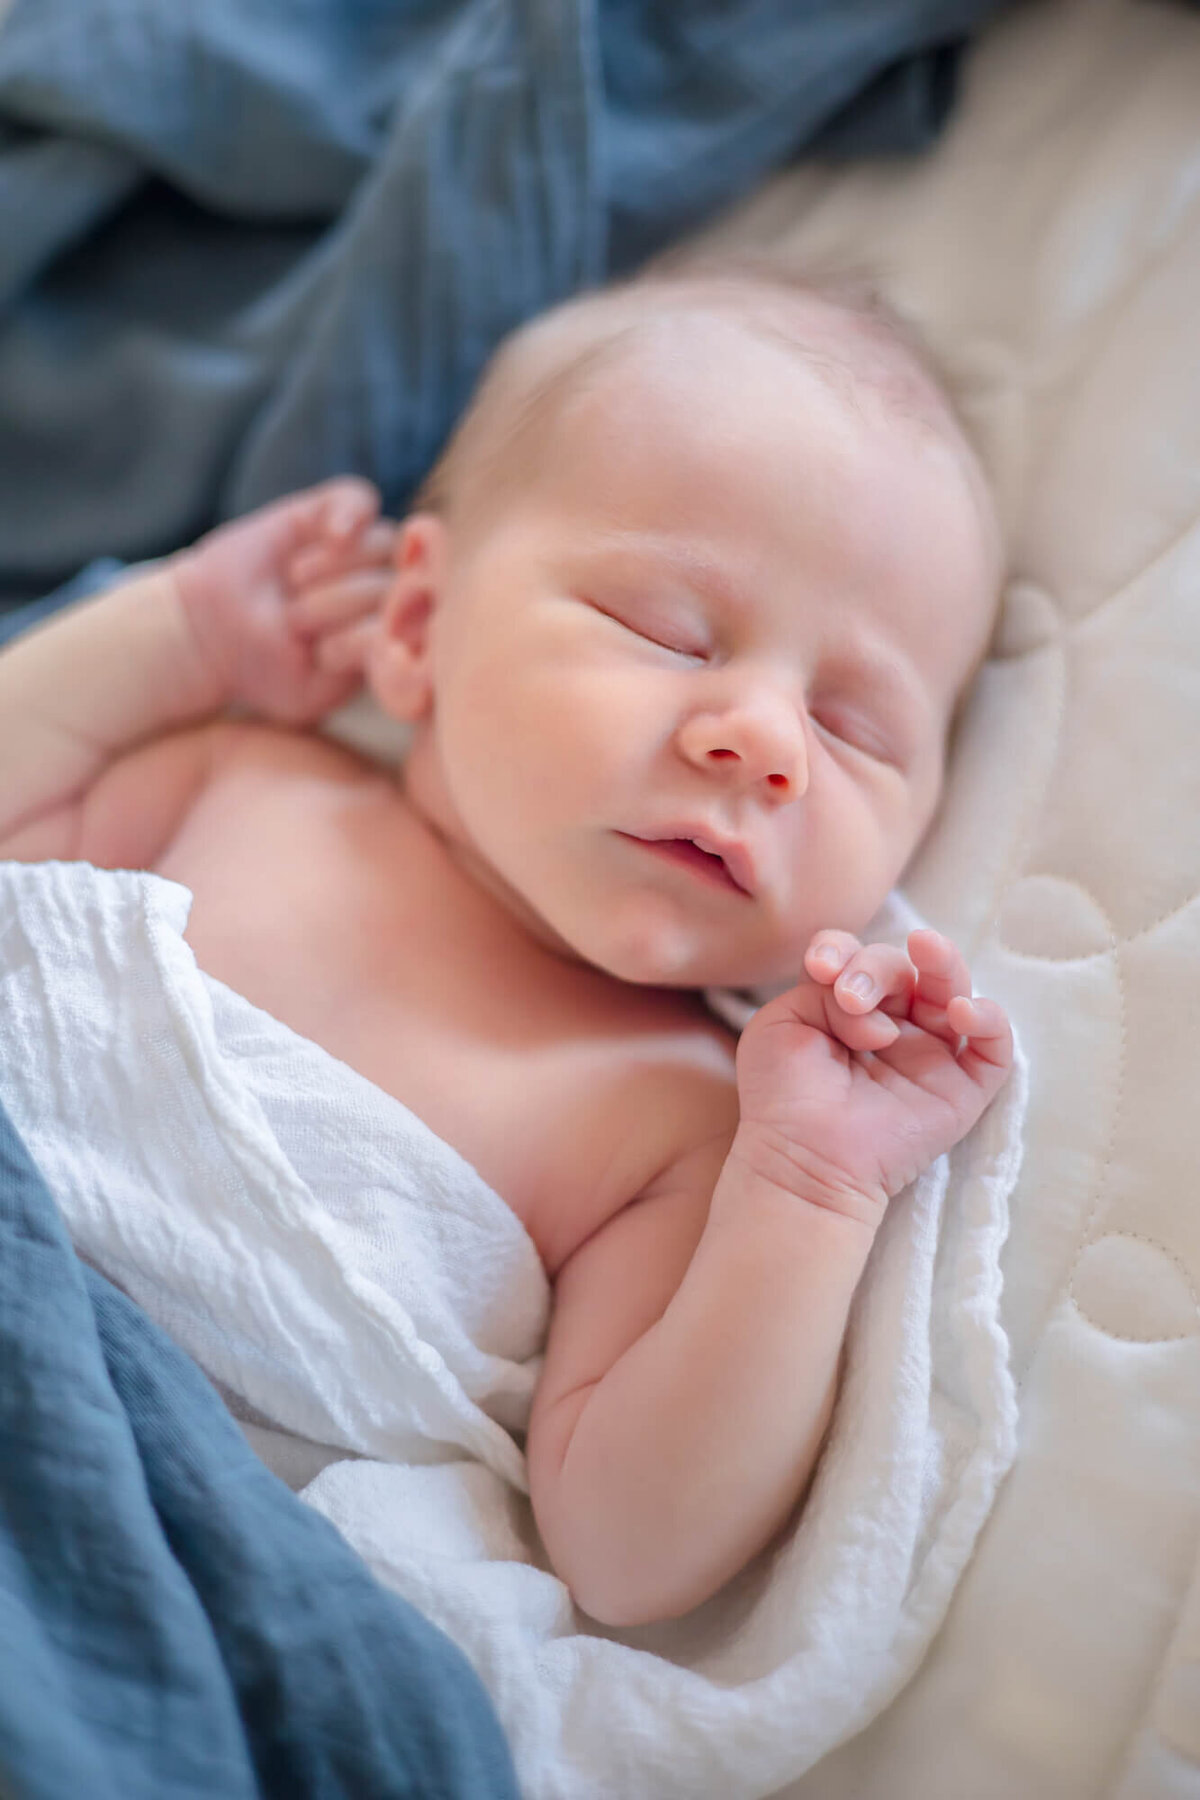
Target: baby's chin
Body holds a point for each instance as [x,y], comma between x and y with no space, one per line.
[668,959]
[648,943]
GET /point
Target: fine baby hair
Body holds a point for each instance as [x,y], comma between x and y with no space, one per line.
[839,322]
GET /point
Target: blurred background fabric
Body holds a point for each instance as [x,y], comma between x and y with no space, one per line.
[246,244]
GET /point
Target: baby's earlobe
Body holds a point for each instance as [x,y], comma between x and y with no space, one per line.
[398,665]
[399,670]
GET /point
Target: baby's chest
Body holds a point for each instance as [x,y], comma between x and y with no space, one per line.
[308,904]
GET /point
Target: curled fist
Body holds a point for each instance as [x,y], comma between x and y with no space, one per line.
[877,1061]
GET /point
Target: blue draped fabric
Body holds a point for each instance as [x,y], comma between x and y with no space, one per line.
[246,244]
[173,1621]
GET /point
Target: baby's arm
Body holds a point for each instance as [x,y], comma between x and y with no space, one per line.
[244,618]
[689,1378]
[694,1351]
[78,690]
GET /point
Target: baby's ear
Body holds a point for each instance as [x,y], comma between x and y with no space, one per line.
[398,670]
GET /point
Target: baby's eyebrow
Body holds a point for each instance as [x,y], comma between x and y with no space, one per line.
[696,568]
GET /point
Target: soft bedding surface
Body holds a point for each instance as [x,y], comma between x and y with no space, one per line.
[1051,247]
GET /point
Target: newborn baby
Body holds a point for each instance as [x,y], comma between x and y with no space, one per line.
[680,622]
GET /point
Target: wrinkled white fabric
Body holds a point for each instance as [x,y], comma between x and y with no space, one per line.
[346,1276]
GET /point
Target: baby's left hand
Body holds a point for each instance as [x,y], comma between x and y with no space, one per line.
[282,603]
[854,1081]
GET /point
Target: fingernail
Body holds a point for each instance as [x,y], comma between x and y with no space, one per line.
[828,955]
[862,987]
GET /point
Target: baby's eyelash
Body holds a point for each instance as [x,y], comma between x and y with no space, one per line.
[642,631]
[861,738]
[664,643]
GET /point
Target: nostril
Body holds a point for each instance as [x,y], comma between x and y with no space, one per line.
[778,780]
[719,753]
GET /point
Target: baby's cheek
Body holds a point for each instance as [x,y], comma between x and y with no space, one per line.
[846,864]
[576,730]
[504,759]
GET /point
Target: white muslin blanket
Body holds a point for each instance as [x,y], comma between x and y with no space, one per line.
[343,1275]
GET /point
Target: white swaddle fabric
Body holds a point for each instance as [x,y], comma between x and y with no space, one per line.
[343,1274]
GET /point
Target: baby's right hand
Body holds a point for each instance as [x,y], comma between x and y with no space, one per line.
[879,1059]
[282,603]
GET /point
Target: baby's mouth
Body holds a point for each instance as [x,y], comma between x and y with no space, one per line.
[687,854]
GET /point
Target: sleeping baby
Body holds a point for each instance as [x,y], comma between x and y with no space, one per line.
[679,623]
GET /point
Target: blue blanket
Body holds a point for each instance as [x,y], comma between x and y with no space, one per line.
[245,244]
[173,1621]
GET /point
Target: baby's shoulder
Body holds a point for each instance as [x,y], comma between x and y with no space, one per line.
[626,1113]
[680,1091]
[239,793]
[255,744]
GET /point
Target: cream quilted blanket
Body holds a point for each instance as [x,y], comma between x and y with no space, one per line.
[1051,248]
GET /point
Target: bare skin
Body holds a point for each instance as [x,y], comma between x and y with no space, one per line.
[510,939]
[581,1088]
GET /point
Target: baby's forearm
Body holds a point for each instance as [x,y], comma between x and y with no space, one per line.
[79,689]
[695,1447]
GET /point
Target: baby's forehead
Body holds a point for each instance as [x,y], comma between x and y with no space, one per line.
[704,354]
[838,423]
[653,337]
[691,395]
[679,407]
[665,379]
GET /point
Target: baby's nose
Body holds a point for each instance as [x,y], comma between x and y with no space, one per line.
[756,741]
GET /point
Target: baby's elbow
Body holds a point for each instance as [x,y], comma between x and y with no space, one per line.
[625,1611]
[624,1591]
[615,1566]
[603,1579]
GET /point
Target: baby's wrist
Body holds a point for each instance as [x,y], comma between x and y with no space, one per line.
[185,593]
[768,1168]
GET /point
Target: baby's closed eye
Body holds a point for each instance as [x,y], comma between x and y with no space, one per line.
[856,727]
[657,621]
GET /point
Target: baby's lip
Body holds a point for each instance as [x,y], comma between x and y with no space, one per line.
[739,864]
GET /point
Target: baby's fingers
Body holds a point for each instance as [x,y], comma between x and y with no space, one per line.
[827,955]
[347,505]
[988,1053]
[875,976]
[942,976]
[340,602]
[348,651]
[375,547]
[875,981]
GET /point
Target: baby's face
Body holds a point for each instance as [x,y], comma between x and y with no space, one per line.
[691,691]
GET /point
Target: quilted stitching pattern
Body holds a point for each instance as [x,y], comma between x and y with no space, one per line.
[1050,247]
